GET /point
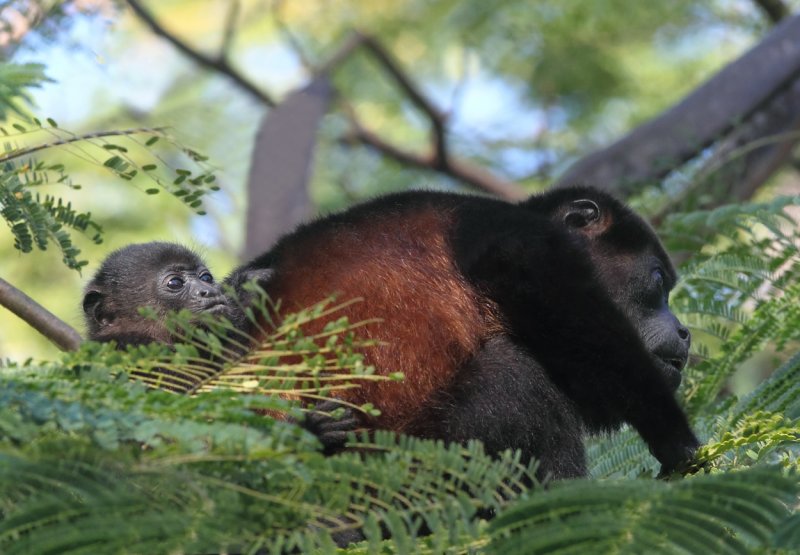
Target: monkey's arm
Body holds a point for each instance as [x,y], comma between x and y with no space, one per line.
[555,306]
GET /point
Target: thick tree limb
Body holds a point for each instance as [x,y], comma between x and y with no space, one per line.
[775,10]
[219,64]
[281,163]
[748,157]
[736,92]
[752,153]
[42,320]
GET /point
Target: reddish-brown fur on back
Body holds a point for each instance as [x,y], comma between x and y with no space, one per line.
[431,319]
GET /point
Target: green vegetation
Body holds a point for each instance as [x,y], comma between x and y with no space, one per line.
[93,462]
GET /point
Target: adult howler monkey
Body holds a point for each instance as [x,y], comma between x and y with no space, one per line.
[522,325]
[168,277]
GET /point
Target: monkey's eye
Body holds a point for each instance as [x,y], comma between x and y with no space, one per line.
[658,277]
[175,283]
[658,290]
[206,277]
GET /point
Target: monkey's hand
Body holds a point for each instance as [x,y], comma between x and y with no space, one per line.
[331,431]
[680,462]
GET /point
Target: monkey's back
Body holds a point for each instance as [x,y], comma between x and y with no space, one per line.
[399,262]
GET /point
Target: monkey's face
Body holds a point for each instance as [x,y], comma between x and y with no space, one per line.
[633,267]
[191,288]
[644,298]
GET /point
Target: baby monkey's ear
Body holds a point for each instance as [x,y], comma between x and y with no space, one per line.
[93,306]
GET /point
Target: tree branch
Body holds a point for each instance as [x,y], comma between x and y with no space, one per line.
[342,54]
[14,154]
[775,10]
[744,160]
[230,29]
[290,37]
[462,170]
[218,64]
[437,118]
[441,162]
[57,331]
[711,111]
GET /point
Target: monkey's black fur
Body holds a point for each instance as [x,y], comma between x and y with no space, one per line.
[168,277]
[522,325]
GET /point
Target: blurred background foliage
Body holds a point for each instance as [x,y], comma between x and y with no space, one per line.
[527,87]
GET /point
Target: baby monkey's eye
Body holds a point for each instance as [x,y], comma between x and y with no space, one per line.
[175,283]
[206,277]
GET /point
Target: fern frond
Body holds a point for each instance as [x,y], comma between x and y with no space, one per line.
[724,513]
[61,493]
[694,231]
[622,454]
[250,467]
[753,439]
[14,80]
[293,358]
[780,393]
[775,320]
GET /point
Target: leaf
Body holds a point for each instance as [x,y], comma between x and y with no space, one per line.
[723,513]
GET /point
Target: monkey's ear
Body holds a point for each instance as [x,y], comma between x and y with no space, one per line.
[92,303]
[582,213]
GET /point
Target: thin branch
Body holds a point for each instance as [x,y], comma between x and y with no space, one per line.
[342,54]
[14,154]
[741,168]
[436,117]
[230,29]
[218,64]
[290,37]
[462,170]
[457,93]
[439,161]
[42,320]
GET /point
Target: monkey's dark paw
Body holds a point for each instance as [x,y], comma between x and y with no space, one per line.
[330,430]
[682,463]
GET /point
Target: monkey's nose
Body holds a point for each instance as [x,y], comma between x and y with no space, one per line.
[205,292]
